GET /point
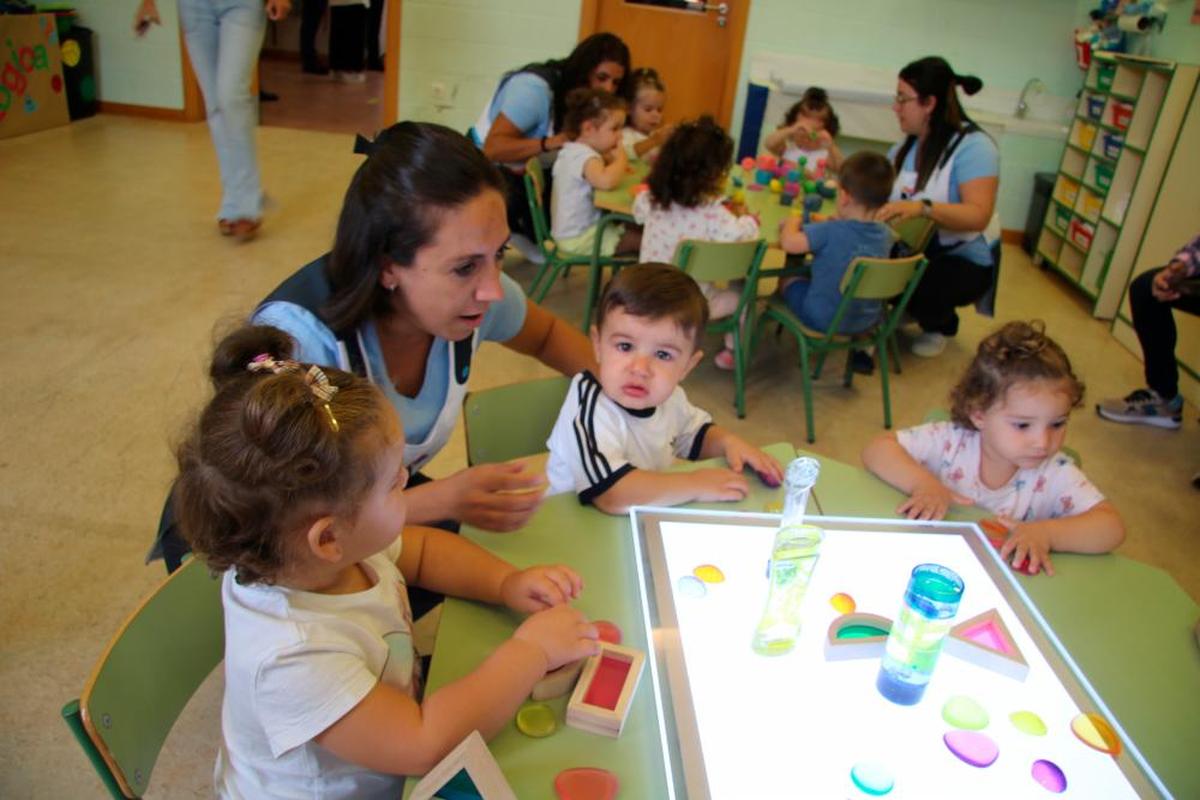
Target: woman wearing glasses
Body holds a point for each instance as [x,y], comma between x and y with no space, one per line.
[947,169]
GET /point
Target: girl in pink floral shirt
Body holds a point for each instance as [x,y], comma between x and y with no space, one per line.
[1001,451]
[684,201]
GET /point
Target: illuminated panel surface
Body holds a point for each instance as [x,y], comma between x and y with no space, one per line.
[744,725]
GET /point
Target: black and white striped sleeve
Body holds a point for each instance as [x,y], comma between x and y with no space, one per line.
[588,444]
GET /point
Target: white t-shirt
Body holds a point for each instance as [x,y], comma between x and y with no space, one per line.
[295,663]
[596,441]
[1055,488]
[630,137]
[794,153]
[571,209]
[665,228]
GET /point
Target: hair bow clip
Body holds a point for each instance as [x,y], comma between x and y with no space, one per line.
[265,362]
[323,390]
[363,146]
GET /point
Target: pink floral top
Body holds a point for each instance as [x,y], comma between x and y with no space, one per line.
[665,228]
[1055,488]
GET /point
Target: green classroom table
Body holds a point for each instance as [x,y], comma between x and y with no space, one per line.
[1127,625]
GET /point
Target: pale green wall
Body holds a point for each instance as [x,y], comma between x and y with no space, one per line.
[145,71]
[1180,39]
[469,44]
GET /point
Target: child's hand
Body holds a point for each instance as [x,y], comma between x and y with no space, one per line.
[1028,547]
[741,454]
[931,500]
[146,15]
[662,134]
[824,139]
[719,485]
[562,633]
[540,587]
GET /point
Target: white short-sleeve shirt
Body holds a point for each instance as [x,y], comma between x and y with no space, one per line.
[665,228]
[571,207]
[596,441]
[297,662]
[1055,488]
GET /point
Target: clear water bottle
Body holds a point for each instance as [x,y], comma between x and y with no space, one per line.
[794,556]
[915,642]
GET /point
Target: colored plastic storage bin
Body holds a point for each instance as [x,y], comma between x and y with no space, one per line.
[1122,113]
[1081,233]
[1087,135]
[1090,205]
[1067,192]
[1104,175]
[1095,107]
[1112,144]
[1104,76]
[1062,219]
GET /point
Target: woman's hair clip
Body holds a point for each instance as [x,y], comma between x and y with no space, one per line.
[315,379]
[363,146]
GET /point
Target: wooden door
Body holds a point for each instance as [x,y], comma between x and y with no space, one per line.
[696,47]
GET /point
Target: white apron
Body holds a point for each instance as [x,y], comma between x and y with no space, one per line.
[458,354]
[937,189]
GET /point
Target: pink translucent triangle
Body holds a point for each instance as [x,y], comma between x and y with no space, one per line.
[987,634]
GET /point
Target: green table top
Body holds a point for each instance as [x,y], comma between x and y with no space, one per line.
[762,202]
[1106,610]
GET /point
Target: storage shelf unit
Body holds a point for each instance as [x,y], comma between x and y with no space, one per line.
[1126,126]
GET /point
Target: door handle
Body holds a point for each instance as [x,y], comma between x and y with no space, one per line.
[720,8]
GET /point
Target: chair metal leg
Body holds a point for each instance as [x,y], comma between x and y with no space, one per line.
[739,373]
[884,385]
[593,294]
[555,270]
[821,354]
[808,398]
[895,343]
[848,375]
[537,279]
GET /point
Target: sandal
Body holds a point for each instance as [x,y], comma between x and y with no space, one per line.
[724,360]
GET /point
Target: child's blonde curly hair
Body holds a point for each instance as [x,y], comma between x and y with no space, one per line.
[1019,351]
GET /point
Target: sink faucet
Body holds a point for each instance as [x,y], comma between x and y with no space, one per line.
[1034,85]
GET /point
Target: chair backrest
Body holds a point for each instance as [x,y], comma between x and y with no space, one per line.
[154,664]
[512,421]
[719,261]
[535,185]
[915,232]
[879,278]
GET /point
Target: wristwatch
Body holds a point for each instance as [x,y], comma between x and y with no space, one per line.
[926,207]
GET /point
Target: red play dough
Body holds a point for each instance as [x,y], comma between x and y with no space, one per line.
[586,783]
[609,632]
[607,683]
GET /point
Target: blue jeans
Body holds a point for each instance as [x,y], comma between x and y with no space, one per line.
[223,39]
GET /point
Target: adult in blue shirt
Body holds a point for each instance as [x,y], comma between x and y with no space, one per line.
[412,287]
[524,116]
[947,170]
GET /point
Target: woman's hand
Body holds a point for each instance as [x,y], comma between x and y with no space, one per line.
[1165,285]
[899,210]
[278,9]
[931,499]
[145,16]
[541,587]
[497,497]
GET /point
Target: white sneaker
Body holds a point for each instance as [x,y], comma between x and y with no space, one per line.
[929,345]
[527,249]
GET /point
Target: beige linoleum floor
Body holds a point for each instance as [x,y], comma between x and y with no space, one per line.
[113,276]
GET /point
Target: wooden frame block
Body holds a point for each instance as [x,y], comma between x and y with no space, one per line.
[482,774]
[840,647]
[601,700]
[985,641]
[557,682]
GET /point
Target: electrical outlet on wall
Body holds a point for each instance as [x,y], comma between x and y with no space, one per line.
[441,94]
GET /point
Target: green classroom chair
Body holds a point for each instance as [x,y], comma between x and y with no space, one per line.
[916,233]
[882,279]
[512,421]
[153,665]
[942,415]
[556,261]
[728,261]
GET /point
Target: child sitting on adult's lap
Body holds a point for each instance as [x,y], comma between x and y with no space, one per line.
[619,432]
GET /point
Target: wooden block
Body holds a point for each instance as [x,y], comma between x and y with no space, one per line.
[557,682]
[985,641]
[601,700]
[850,636]
[483,778]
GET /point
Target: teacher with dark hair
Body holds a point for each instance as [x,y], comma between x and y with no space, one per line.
[524,116]
[948,170]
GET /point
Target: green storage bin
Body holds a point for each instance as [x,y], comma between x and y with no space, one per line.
[1104,175]
[1062,218]
[1105,75]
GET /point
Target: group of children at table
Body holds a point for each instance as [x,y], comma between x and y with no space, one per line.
[292,484]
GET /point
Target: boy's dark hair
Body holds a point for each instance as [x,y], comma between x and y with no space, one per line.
[641,78]
[933,77]
[691,165]
[867,177]
[264,459]
[589,105]
[392,208]
[815,102]
[657,291]
[1019,351]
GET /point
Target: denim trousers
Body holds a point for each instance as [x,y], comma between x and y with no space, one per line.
[223,40]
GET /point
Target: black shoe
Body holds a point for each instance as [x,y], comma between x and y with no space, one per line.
[862,362]
[315,69]
[375,64]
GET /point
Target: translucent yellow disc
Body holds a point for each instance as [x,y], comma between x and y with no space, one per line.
[1094,731]
[843,603]
[709,574]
